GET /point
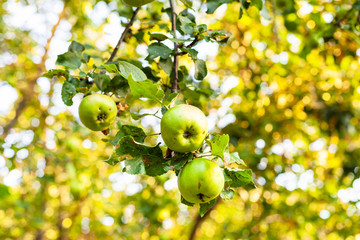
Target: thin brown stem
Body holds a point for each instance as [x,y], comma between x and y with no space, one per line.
[28,95]
[275,27]
[174,84]
[123,35]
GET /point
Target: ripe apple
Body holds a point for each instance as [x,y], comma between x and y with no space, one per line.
[184,128]
[137,3]
[200,181]
[97,111]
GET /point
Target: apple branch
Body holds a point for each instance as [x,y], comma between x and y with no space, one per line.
[123,35]
[176,57]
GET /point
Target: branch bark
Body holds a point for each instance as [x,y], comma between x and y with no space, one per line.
[174,85]
[27,96]
[123,35]
[199,220]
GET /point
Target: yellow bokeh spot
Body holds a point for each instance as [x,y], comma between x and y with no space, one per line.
[67,223]
[51,234]
[53,191]
[146,194]
[268,127]
[326,96]
[244,124]
[311,24]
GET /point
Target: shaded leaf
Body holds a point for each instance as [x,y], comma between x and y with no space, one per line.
[158,50]
[200,69]
[183,201]
[227,194]
[134,166]
[204,207]
[239,177]
[68,91]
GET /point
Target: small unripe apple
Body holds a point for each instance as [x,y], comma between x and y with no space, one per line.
[97,111]
[184,128]
[200,181]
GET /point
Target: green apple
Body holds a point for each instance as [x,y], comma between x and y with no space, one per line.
[137,3]
[97,112]
[184,128]
[200,181]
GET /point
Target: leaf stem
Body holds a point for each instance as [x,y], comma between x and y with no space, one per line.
[123,35]
[174,84]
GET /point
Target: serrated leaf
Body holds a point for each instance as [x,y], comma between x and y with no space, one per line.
[69,60]
[183,201]
[234,157]
[146,89]
[111,68]
[114,159]
[158,50]
[239,177]
[126,69]
[134,166]
[204,207]
[219,145]
[68,91]
[128,130]
[102,81]
[151,156]
[200,69]
[227,194]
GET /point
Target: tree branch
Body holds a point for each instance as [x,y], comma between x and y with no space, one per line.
[199,220]
[123,35]
[30,88]
[174,85]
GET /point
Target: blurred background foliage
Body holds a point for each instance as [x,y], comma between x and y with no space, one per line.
[286,89]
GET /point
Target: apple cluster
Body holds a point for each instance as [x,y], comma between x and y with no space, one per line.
[184,129]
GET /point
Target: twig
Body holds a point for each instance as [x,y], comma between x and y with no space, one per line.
[30,88]
[123,35]
[199,220]
[176,57]
[275,28]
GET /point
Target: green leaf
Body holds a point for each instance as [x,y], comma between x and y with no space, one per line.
[201,28]
[178,161]
[128,130]
[212,5]
[57,73]
[146,89]
[134,166]
[166,65]
[76,48]
[200,69]
[151,156]
[219,145]
[126,69]
[69,60]
[239,177]
[115,159]
[241,12]
[183,201]
[204,207]
[137,116]
[102,81]
[158,50]
[111,68]
[192,52]
[234,157]
[187,26]
[68,91]
[157,36]
[170,99]
[227,194]
[245,4]
[219,36]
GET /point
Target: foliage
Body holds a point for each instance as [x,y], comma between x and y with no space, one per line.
[281,94]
